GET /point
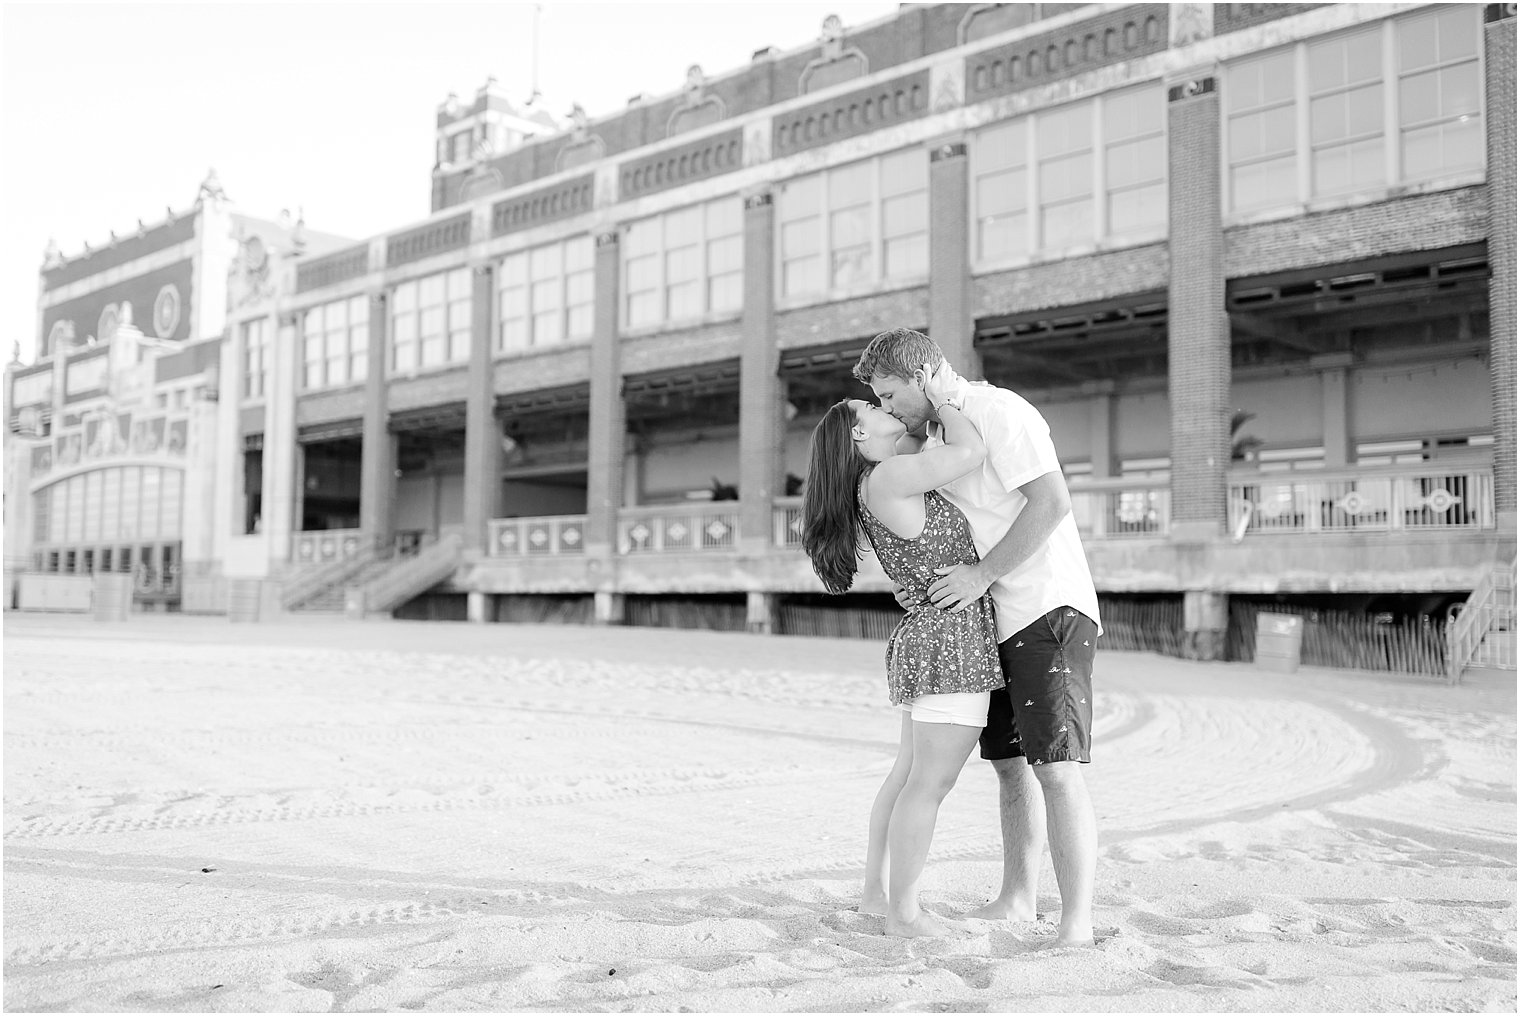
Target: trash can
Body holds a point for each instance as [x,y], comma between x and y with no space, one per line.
[1279,642]
[111,596]
[243,597]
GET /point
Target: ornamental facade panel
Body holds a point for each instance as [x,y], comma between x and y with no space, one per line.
[1114,36]
[863,111]
[548,204]
[676,167]
[332,269]
[425,241]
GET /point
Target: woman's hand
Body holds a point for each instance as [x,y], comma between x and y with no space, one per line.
[943,385]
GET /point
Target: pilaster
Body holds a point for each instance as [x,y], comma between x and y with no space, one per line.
[606,437]
[950,321]
[1499,66]
[482,433]
[1198,341]
[761,396]
[278,504]
[377,472]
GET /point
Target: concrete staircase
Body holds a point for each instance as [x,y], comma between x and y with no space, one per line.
[390,583]
[331,598]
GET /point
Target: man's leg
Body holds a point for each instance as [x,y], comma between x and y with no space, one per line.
[1021,807]
[1073,831]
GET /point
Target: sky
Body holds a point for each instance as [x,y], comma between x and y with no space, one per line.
[113,112]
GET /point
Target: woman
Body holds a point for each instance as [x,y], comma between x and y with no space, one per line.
[941,666]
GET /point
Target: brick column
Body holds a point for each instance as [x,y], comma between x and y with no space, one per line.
[1198,341]
[1499,62]
[950,318]
[482,432]
[377,470]
[760,389]
[606,437]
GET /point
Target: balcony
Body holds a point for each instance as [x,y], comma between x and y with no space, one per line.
[1391,500]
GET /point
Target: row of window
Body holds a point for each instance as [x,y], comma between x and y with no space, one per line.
[1394,103]
[1397,102]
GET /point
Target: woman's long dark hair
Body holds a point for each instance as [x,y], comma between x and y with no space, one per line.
[830,523]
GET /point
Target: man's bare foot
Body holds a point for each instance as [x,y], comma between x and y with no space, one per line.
[922,926]
[872,903]
[1004,910]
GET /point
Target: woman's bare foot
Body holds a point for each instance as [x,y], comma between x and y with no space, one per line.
[1004,910]
[873,902]
[922,926]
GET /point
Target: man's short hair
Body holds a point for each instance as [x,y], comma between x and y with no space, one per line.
[897,353]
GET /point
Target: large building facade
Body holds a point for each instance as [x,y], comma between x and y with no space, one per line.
[591,373]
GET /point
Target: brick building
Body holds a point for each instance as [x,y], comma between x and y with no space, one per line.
[1152,220]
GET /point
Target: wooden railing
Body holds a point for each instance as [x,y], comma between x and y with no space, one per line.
[1364,500]
[1490,608]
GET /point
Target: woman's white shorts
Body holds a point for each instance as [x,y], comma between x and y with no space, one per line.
[968,708]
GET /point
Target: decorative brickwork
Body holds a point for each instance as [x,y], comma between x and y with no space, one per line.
[548,204]
[676,167]
[1234,17]
[1124,34]
[1419,222]
[331,269]
[425,241]
[1072,281]
[145,241]
[864,111]
[862,316]
[1499,50]
[1198,343]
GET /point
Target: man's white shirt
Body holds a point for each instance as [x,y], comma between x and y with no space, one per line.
[1019,449]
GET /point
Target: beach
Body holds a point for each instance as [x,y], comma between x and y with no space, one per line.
[324,815]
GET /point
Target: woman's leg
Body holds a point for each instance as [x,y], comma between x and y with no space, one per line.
[939,752]
[873,899]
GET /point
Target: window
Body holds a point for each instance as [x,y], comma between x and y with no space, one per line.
[1346,112]
[335,343]
[1063,140]
[684,264]
[1395,103]
[1262,128]
[545,296]
[255,353]
[1001,169]
[430,321]
[110,505]
[1440,127]
[1089,171]
[855,226]
[1134,160]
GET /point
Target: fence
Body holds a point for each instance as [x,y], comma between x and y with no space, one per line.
[1335,638]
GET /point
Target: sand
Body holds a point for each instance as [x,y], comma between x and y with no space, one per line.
[328,815]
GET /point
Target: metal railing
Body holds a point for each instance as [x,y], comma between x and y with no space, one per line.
[679,529]
[537,536]
[1383,500]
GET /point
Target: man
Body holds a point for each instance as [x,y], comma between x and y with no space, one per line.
[1039,733]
